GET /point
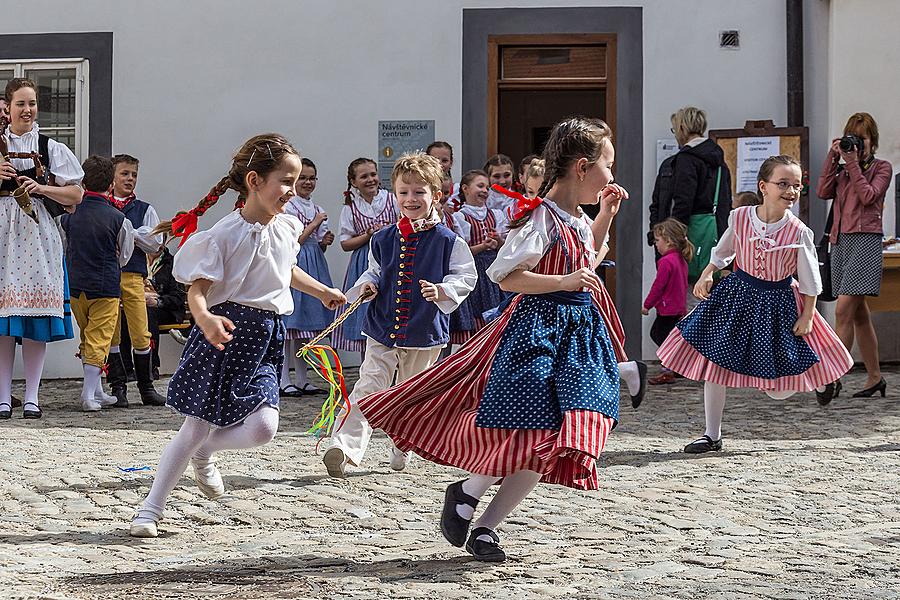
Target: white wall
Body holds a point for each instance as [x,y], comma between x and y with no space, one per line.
[192,80]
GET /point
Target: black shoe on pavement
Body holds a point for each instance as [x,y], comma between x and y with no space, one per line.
[703,445]
[31,413]
[482,550]
[453,526]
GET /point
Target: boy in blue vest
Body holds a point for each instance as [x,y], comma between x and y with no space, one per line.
[143,219]
[99,240]
[420,271]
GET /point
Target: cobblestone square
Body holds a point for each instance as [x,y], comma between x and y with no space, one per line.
[802,503]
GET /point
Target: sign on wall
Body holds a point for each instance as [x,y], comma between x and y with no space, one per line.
[395,138]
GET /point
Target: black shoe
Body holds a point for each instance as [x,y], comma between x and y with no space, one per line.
[28,413]
[115,377]
[142,369]
[639,397]
[485,551]
[704,444]
[5,411]
[832,390]
[881,386]
[453,526]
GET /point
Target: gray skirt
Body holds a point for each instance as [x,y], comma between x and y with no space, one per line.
[857,264]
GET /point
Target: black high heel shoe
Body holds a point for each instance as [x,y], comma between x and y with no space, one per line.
[881,386]
[832,391]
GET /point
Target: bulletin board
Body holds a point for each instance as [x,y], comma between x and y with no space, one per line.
[793,141]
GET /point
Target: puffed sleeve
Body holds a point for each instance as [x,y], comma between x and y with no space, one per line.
[199,258]
[462,227]
[524,246]
[723,253]
[370,275]
[461,279]
[808,275]
[502,221]
[346,231]
[323,228]
[63,164]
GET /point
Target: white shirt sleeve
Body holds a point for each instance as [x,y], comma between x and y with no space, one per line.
[346,229]
[808,275]
[502,222]
[144,238]
[461,279]
[463,229]
[199,258]
[723,253]
[125,240]
[63,164]
[524,246]
[323,228]
[370,275]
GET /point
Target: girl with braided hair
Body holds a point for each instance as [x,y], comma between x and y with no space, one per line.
[532,396]
[241,272]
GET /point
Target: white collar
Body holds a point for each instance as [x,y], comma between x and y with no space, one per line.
[376,201]
[33,133]
[695,141]
[767,229]
[479,212]
[580,224]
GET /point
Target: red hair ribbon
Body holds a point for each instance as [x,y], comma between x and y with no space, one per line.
[185,224]
[523,204]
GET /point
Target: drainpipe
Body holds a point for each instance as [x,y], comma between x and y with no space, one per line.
[794,27]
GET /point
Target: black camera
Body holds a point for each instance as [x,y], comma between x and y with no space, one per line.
[849,142]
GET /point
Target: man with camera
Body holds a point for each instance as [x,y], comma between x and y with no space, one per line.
[858,182]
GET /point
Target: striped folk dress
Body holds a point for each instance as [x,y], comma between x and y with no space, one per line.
[487,294]
[744,342]
[434,413]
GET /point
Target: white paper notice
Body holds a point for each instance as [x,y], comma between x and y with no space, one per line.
[751,153]
[665,149]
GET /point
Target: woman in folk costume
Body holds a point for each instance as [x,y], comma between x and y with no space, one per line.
[533,396]
[758,328]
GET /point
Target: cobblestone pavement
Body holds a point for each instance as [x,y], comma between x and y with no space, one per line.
[803,503]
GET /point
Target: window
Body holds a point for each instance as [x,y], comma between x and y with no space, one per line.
[62,91]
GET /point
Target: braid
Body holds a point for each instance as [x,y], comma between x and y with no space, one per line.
[549,182]
[204,205]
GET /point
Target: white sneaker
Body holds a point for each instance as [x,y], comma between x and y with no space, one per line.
[399,459]
[143,528]
[90,405]
[335,462]
[208,477]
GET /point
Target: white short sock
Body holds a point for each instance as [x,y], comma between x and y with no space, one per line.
[628,371]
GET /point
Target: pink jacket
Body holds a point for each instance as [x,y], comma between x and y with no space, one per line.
[669,291]
[858,195]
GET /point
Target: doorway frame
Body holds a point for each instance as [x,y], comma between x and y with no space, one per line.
[496,42]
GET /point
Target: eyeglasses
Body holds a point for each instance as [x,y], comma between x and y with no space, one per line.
[302,179]
[785,186]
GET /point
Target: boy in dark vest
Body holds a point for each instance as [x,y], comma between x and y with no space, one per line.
[143,219]
[420,271]
[99,240]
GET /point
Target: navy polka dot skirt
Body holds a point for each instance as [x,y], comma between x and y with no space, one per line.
[555,355]
[222,387]
[746,327]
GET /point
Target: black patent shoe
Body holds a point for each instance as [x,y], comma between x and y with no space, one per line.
[639,397]
[5,411]
[832,391]
[453,526]
[703,445]
[881,387]
[31,413]
[485,551]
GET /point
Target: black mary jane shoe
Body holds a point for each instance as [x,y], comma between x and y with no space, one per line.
[642,373]
[28,413]
[703,445]
[5,411]
[485,551]
[453,526]
[832,391]
[881,387]
[290,391]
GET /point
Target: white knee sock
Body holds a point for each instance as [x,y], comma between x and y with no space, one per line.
[714,405]
[99,394]
[475,486]
[286,366]
[257,429]
[628,371]
[91,382]
[172,463]
[33,354]
[7,360]
[299,367]
[512,491]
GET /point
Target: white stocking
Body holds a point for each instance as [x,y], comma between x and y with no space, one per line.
[7,360]
[714,405]
[628,371]
[512,491]
[475,486]
[286,366]
[33,354]
[257,429]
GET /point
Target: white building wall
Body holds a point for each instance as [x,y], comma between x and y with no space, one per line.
[192,80]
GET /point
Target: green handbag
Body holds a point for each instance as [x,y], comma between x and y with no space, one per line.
[704,234]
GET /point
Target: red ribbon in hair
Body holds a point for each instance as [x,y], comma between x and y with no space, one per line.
[523,204]
[185,224]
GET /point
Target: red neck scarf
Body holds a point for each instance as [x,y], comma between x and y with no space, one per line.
[121,204]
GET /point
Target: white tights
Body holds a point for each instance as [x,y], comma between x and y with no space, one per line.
[33,354]
[197,439]
[513,490]
[291,347]
[714,406]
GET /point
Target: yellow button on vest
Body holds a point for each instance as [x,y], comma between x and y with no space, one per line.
[393,337]
[399,282]
[401,265]
[396,327]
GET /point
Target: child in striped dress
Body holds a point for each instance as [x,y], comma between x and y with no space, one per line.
[758,328]
[508,406]
[367,208]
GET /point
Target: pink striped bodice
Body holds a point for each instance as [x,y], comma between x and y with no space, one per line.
[768,256]
[567,256]
[388,216]
[480,229]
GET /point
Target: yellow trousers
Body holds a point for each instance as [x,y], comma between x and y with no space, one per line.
[135,306]
[97,319]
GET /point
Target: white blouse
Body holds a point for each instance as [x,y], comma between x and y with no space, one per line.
[480,213]
[526,245]
[371,210]
[305,208]
[63,164]
[461,227]
[248,263]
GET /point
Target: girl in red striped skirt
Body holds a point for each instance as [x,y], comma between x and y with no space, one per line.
[533,396]
[758,328]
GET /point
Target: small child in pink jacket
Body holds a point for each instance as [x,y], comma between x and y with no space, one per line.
[669,291]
